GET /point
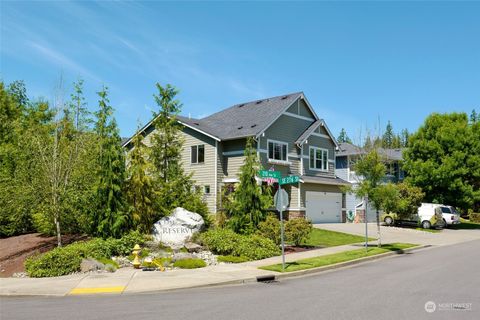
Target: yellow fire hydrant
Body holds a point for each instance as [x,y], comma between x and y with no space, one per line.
[136,260]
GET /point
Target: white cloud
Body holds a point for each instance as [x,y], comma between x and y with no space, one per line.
[59,60]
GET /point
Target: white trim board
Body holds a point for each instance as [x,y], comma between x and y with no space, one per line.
[286,113]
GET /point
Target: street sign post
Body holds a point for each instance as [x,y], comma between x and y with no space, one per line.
[288,180]
[269,174]
[281,203]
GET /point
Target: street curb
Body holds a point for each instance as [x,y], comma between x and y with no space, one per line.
[279,275]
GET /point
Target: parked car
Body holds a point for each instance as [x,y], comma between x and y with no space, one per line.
[450,216]
[427,216]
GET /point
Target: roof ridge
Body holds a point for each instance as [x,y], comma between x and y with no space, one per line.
[252,101]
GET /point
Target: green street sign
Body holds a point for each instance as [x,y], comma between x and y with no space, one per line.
[269,174]
[289,180]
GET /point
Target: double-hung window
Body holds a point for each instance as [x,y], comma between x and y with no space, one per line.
[318,159]
[277,150]
[198,154]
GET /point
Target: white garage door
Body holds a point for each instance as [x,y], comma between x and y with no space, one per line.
[324,207]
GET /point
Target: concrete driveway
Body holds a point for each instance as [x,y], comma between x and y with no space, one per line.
[396,234]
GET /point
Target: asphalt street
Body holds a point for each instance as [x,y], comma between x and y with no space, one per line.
[393,288]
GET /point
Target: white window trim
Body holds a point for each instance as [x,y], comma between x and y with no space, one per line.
[315,160]
[270,160]
[197,163]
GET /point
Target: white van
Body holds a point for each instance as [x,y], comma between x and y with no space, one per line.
[428,215]
[431,214]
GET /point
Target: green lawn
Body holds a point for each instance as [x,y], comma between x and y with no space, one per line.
[337,257]
[326,238]
[465,224]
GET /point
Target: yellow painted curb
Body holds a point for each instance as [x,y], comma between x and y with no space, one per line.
[97,290]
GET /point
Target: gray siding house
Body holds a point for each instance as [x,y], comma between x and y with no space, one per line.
[345,159]
[290,138]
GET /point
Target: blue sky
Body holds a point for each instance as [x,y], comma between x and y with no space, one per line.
[359,63]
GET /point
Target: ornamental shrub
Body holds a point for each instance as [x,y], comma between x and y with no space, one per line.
[227,242]
[256,247]
[193,263]
[65,260]
[58,262]
[220,241]
[297,230]
[270,228]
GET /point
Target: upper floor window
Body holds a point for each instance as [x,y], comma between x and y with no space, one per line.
[198,154]
[318,159]
[277,150]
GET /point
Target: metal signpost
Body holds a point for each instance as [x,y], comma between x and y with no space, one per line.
[280,199]
[281,203]
[366,224]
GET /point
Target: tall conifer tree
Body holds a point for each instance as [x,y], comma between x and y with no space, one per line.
[109,217]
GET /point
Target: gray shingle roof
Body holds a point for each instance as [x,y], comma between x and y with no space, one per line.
[244,119]
[348,149]
[240,120]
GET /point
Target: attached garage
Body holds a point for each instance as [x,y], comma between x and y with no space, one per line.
[324,207]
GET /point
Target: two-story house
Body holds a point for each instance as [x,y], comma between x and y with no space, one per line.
[345,159]
[289,137]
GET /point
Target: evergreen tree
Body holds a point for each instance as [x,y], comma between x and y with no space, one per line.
[173,186]
[405,135]
[396,142]
[343,137]
[78,108]
[139,186]
[388,137]
[474,117]
[251,202]
[109,217]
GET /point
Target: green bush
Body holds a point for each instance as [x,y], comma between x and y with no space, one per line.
[474,217]
[256,247]
[189,263]
[297,230]
[66,260]
[232,259]
[220,241]
[270,229]
[58,262]
[227,242]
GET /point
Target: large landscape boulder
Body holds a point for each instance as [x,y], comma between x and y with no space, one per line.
[175,230]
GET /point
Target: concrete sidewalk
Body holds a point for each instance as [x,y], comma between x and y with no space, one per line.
[129,280]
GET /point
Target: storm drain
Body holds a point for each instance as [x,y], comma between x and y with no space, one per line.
[266,279]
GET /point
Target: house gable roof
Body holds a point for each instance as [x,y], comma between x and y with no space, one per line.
[249,118]
[310,130]
[242,120]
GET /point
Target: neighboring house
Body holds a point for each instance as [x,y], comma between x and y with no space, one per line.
[289,137]
[345,159]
